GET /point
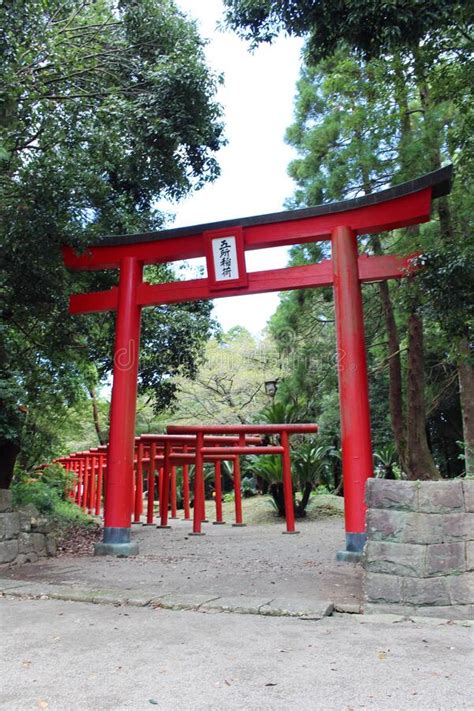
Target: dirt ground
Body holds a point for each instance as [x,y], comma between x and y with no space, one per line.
[252,561]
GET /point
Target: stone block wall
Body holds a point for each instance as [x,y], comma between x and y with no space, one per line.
[25,536]
[419,556]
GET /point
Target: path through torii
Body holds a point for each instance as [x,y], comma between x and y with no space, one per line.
[224,245]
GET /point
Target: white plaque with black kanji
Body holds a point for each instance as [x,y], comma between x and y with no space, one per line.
[224,253]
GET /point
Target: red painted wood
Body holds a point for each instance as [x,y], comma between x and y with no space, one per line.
[165,487]
[287,484]
[139,484]
[238,486]
[151,485]
[249,429]
[357,462]
[199,502]
[93,301]
[218,491]
[187,514]
[119,480]
[397,212]
[346,272]
[302,277]
[241,450]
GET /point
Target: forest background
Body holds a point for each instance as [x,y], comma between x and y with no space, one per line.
[106,109]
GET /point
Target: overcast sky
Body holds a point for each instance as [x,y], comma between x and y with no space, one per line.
[258,107]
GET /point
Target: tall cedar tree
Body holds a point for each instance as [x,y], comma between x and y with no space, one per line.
[415,110]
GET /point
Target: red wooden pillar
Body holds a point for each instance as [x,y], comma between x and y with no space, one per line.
[287,484]
[164,486]
[218,493]
[159,484]
[237,485]
[199,501]
[357,462]
[173,493]
[187,514]
[117,505]
[74,470]
[100,474]
[80,478]
[139,485]
[151,487]
[92,488]
[85,490]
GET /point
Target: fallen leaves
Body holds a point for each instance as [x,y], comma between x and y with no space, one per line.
[78,540]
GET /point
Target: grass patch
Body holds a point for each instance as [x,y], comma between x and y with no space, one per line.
[259,510]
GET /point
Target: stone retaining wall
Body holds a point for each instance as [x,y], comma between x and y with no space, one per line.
[25,536]
[419,555]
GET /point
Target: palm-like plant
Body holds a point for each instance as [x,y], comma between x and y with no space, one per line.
[279,412]
[310,468]
[387,461]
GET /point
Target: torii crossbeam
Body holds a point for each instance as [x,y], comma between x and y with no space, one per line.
[224,245]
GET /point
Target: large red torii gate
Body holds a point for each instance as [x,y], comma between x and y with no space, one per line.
[224,245]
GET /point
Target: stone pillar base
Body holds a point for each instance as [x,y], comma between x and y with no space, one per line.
[355,543]
[116,542]
[121,550]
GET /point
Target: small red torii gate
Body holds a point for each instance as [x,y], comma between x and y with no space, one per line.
[224,245]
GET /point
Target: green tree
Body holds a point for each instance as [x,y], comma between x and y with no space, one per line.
[371,27]
[426,50]
[358,126]
[229,386]
[104,108]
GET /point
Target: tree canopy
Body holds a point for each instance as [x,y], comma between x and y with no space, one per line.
[105,108]
[360,125]
[229,385]
[371,27]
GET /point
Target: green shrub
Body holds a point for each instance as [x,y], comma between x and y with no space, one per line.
[38,493]
[48,490]
[58,479]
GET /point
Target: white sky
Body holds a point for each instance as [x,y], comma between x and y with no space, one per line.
[258,107]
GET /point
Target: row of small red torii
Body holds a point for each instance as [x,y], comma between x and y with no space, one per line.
[159,455]
[224,244]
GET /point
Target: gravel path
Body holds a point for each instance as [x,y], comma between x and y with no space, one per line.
[70,656]
[252,561]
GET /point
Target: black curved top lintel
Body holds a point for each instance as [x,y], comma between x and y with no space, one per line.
[439,180]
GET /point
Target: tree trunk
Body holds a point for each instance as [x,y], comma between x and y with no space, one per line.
[395,390]
[96,417]
[419,461]
[388,472]
[8,454]
[276,491]
[466,392]
[300,508]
